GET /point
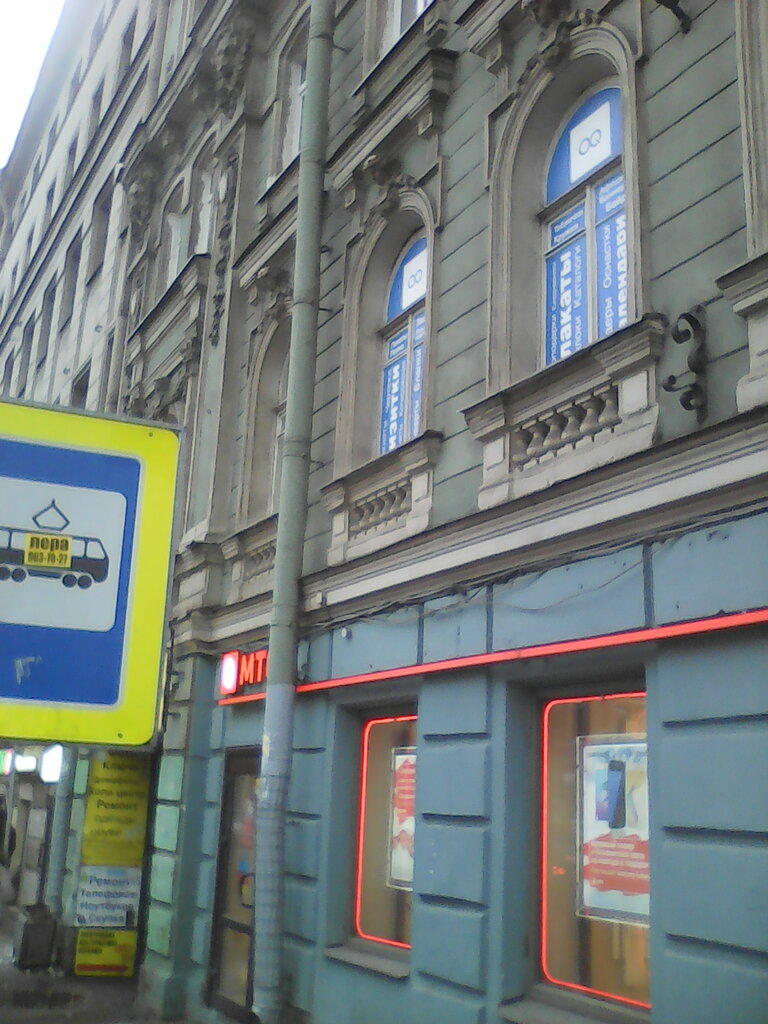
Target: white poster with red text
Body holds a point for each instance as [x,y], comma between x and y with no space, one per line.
[402,818]
[614,877]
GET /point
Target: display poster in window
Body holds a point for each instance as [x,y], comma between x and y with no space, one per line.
[567,329]
[402,818]
[393,405]
[614,877]
[612,257]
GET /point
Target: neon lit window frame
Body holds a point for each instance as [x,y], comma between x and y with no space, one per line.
[543,874]
[359,931]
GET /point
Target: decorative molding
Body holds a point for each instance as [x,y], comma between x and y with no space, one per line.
[232,50]
[544,12]
[746,288]
[228,186]
[598,406]
[690,329]
[141,194]
[384,501]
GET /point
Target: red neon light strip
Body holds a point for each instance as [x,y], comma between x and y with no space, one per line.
[545,851]
[361,832]
[694,627]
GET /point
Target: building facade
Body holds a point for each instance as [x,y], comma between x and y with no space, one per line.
[530,729]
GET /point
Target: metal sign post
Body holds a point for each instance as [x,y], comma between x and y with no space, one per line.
[86,509]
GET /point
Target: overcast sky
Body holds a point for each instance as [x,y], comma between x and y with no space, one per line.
[26,27]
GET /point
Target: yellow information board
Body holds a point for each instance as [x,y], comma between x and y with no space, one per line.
[103,952]
[115,824]
[86,513]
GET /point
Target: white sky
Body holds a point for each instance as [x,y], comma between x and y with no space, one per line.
[26,27]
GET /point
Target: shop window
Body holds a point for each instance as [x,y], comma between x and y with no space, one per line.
[595,880]
[230,986]
[585,239]
[386,827]
[404,342]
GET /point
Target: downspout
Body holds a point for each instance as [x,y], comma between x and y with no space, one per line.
[277,742]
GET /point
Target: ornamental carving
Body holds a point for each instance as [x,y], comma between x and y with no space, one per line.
[545,12]
[274,291]
[233,49]
[141,194]
[226,229]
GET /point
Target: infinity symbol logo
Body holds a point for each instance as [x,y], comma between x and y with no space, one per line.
[416,278]
[590,141]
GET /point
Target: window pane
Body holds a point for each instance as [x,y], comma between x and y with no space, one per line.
[385,842]
[410,281]
[233,966]
[612,256]
[595,886]
[591,139]
[567,310]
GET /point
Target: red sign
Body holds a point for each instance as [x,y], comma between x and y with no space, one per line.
[617,864]
[240,671]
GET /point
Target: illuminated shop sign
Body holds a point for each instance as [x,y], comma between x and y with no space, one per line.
[241,672]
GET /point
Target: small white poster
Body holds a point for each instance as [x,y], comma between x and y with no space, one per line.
[415,278]
[402,818]
[108,897]
[614,875]
[590,142]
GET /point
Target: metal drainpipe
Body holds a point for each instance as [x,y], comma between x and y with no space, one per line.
[277,742]
[57,852]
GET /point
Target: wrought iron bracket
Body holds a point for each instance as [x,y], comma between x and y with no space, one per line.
[679,13]
[690,329]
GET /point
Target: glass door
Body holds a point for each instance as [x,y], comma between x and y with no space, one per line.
[230,980]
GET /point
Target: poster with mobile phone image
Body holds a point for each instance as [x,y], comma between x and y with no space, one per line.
[613,873]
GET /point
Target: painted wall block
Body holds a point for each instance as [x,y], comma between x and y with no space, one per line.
[704,126]
[454,626]
[206,884]
[200,937]
[299,969]
[302,847]
[431,1003]
[691,875]
[305,793]
[458,707]
[244,726]
[209,840]
[387,643]
[214,780]
[595,596]
[700,985]
[171,777]
[175,735]
[714,777]
[159,923]
[461,960]
[711,571]
[218,717]
[161,877]
[453,779]
[300,908]
[309,726]
[344,995]
[452,861]
[166,829]
[712,678]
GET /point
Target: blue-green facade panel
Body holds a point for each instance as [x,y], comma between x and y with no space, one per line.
[460,961]
[452,861]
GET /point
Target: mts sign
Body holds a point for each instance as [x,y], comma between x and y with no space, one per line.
[239,671]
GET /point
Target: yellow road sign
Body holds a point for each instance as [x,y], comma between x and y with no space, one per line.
[86,511]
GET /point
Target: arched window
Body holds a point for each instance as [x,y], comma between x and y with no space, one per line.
[585,229]
[278,441]
[404,337]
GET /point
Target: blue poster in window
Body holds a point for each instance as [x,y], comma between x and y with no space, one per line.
[590,140]
[566,227]
[393,406]
[609,197]
[612,275]
[417,372]
[567,330]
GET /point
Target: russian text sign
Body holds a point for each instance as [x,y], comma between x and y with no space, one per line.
[86,508]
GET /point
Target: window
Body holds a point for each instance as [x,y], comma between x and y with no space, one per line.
[95,115]
[96,35]
[585,230]
[595,905]
[174,239]
[25,353]
[204,202]
[49,197]
[278,443]
[78,396]
[71,159]
[126,49]
[99,229]
[391,19]
[69,285]
[74,86]
[46,320]
[386,831]
[292,90]
[404,336]
[28,248]
[54,130]
[8,374]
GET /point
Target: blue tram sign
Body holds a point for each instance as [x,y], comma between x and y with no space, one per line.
[86,508]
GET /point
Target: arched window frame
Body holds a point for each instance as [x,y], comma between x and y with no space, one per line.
[403,336]
[599,57]
[585,240]
[290,75]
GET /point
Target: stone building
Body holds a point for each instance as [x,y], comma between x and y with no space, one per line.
[530,730]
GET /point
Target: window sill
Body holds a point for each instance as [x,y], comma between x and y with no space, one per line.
[384,501]
[548,1005]
[392,964]
[595,408]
